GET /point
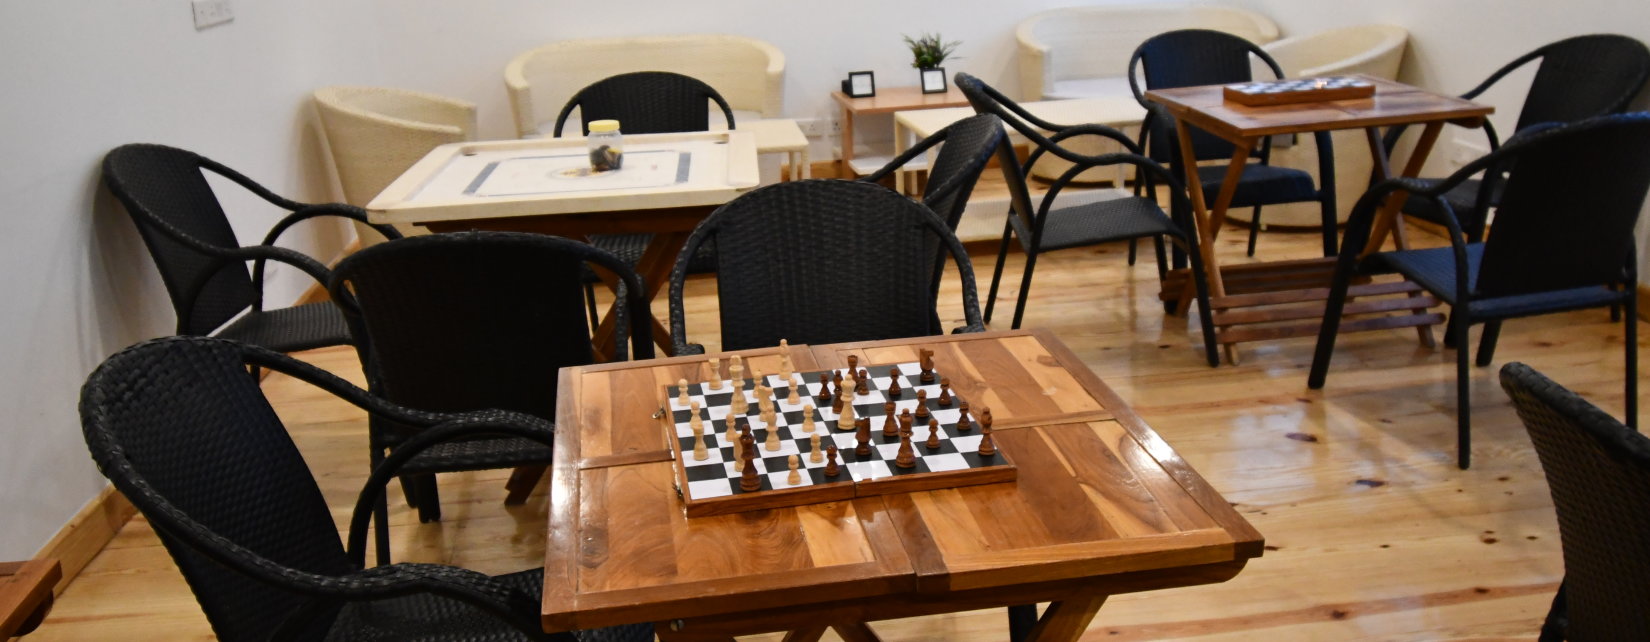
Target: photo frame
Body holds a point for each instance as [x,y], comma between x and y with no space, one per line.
[933,81]
[860,84]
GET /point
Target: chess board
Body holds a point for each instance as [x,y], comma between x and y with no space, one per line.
[1300,90]
[711,486]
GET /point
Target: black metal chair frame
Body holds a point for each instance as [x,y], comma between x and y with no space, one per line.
[323,596]
[1025,223]
[1162,124]
[1599,473]
[1463,294]
[634,324]
[1570,50]
[225,270]
[708,229]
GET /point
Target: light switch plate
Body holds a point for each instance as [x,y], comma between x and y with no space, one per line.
[210,13]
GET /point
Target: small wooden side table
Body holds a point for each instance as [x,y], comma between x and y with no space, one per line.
[888,100]
[26,594]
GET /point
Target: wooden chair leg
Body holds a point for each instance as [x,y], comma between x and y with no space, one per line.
[523,480]
[1068,619]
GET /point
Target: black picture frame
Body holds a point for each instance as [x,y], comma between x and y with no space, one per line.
[933,81]
[860,84]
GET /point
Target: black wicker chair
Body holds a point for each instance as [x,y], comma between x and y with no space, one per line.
[644,102]
[969,145]
[184,432]
[1575,79]
[1043,228]
[1563,241]
[823,261]
[202,264]
[473,320]
[1599,475]
[1192,57]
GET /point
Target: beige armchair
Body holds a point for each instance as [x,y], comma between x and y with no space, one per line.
[1377,50]
[749,73]
[375,133]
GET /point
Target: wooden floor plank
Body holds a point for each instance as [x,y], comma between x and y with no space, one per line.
[1374,534]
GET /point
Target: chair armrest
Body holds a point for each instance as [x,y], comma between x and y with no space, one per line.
[476,589]
[338,387]
[968,329]
[899,161]
[341,210]
[688,349]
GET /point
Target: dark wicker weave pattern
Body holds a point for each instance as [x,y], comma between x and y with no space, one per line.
[200,261]
[823,261]
[471,320]
[1599,475]
[183,431]
[1042,228]
[1576,78]
[1554,249]
[1193,57]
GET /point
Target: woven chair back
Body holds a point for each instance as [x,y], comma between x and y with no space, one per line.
[647,102]
[1189,58]
[1582,77]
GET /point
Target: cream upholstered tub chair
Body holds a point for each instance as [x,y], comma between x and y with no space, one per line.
[1377,50]
[749,73]
[1083,52]
[375,133]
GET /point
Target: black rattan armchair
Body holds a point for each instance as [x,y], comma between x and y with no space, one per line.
[1575,79]
[968,146]
[823,261]
[473,320]
[202,264]
[1044,228]
[1563,241]
[644,102]
[1599,473]
[185,433]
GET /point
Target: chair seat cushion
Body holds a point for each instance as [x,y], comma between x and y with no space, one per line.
[1261,185]
[1462,199]
[300,327]
[1434,270]
[1089,88]
[479,454]
[1111,220]
[426,617]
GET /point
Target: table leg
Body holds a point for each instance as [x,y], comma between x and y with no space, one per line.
[810,633]
[1068,619]
[847,170]
[899,148]
[807,165]
[654,267]
[1390,218]
[855,632]
[1209,220]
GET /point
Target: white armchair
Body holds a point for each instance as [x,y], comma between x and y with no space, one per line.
[749,73]
[1377,50]
[375,133]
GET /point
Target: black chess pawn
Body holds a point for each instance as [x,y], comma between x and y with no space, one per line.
[894,391]
[824,389]
[922,404]
[862,384]
[945,392]
[964,424]
[831,469]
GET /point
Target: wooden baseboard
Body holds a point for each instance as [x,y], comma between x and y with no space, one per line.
[84,537]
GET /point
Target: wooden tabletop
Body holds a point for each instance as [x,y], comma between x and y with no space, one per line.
[892,99]
[1393,103]
[1102,505]
[1111,111]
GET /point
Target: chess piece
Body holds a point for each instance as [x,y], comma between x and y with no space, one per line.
[853,363]
[786,368]
[862,383]
[739,404]
[988,448]
[933,442]
[748,479]
[792,399]
[736,372]
[824,388]
[836,380]
[831,469]
[845,419]
[808,420]
[764,397]
[964,424]
[681,392]
[796,476]
[737,436]
[906,458]
[837,403]
[713,379]
[698,425]
[905,421]
[890,422]
[922,404]
[814,455]
[926,360]
[850,389]
[863,439]
[894,391]
[772,442]
[945,392]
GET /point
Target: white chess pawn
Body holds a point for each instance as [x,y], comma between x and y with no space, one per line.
[713,376]
[681,392]
[808,419]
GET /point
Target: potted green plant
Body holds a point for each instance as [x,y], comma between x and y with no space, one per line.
[928,52]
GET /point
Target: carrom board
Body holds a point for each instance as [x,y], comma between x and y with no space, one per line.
[547,176]
[1301,90]
[711,486]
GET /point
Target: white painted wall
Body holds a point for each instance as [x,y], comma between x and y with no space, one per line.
[83,77]
[1454,45]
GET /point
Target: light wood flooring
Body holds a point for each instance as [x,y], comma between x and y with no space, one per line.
[1372,532]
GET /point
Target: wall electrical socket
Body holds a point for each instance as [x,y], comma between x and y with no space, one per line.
[818,127]
[1464,152]
[211,13]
